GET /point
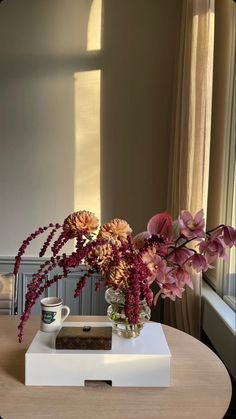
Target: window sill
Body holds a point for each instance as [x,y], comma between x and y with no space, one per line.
[221,307]
[230,301]
[219,324]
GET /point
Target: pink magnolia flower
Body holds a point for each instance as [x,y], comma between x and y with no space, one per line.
[156,265]
[180,255]
[169,288]
[182,278]
[199,263]
[174,284]
[229,236]
[167,278]
[191,226]
[160,224]
[213,248]
[171,292]
[160,245]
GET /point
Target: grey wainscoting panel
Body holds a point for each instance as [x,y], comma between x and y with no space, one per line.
[89,302]
[98,303]
[78,305]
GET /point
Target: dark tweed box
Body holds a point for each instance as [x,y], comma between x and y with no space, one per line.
[87,337]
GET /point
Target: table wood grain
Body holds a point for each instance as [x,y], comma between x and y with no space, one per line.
[201,387]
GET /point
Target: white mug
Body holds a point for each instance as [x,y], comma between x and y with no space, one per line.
[53,314]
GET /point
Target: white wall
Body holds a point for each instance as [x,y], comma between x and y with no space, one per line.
[140,40]
[43,45]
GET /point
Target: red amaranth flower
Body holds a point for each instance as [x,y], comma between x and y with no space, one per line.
[129,265]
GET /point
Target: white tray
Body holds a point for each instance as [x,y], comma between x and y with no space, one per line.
[139,362]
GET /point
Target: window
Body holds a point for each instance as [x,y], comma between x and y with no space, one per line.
[222,183]
[229,283]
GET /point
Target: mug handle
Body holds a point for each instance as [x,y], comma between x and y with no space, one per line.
[66,310]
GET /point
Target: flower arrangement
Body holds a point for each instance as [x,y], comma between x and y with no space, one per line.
[163,254]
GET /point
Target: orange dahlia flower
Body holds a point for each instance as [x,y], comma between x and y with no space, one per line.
[115,229]
[84,221]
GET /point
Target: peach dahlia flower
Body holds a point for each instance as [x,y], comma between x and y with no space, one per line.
[115,274]
[101,253]
[115,229]
[84,221]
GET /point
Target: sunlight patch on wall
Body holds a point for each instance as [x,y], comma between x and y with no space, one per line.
[87,144]
[94,26]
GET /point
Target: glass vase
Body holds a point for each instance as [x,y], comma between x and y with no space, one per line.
[116,313]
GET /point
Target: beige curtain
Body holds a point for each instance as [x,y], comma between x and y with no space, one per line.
[190,147]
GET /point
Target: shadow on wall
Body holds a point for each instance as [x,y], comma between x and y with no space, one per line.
[44,44]
[137,79]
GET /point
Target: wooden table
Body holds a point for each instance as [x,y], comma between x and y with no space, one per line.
[201,387]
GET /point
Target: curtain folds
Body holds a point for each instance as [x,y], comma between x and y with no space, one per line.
[190,142]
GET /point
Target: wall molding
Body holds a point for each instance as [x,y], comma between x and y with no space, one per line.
[89,302]
[6,260]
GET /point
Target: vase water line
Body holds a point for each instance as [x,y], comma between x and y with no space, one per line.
[116,313]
